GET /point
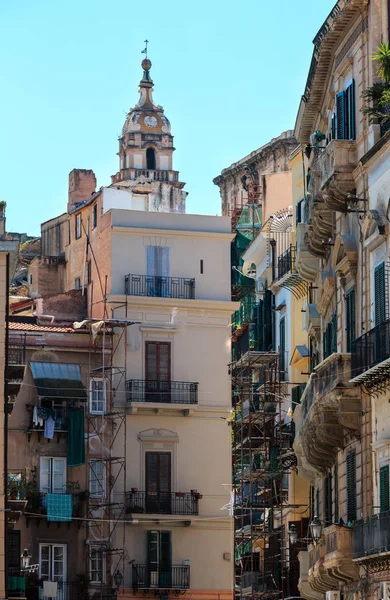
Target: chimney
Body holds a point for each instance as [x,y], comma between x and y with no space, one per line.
[2,219]
[82,184]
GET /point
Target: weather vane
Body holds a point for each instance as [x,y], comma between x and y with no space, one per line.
[145,50]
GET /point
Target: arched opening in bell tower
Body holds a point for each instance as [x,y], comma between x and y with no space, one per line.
[150,159]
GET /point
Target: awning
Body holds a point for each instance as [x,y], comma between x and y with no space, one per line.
[58,380]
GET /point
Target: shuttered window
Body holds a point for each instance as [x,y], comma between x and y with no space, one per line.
[318,503]
[345,127]
[350,311]
[351,486]
[336,493]
[299,211]
[384,492]
[158,361]
[380,294]
[159,558]
[282,346]
[13,550]
[158,472]
[328,500]
[329,339]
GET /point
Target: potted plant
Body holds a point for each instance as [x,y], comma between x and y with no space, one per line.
[13,489]
[134,490]
[72,487]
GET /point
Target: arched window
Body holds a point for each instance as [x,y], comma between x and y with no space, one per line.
[150,159]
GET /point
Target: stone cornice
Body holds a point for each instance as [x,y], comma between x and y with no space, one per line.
[129,230]
[223,306]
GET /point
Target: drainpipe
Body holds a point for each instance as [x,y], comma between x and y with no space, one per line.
[5,462]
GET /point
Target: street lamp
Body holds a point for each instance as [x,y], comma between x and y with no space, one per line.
[293,534]
[316,529]
[118,578]
[25,558]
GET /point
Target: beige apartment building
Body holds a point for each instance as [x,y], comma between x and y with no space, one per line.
[342,253]
[156,282]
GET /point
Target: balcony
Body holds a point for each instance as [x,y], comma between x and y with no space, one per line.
[161,392]
[371,541]
[338,554]
[371,357]
[318,578]
[330,410]
[37,504]
[60,421]
[253,582]
[306,264]
[150,174]
[287,274]
[161,503]
[336,164]
[160,287]
[16,366]
[176,577]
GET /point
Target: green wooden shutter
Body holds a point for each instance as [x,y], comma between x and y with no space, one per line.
[340,116]
[334,334]
[351,486]
[351,111]
[380,294]
[282,347]
[267,321]
[336,493]
[318,503]
[384,490]
[165,577]
[328,500]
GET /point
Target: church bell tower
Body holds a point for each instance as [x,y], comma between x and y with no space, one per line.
[145,154]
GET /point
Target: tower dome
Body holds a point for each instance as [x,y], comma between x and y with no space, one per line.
[145,153]
[146,116]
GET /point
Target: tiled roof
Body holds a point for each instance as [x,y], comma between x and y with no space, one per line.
[32,327]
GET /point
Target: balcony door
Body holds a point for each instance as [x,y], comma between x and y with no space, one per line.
[158,371]
[157,271]
[52,476]
[160,559]
[158,482]
[52,567]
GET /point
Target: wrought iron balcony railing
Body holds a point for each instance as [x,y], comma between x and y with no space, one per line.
[159,286]
[17,349]
[176,577]
[371,536]
[61,414]
[286,262]
[162,503]
[170,392]
[370,349]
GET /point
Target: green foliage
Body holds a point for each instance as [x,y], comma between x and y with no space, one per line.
[382,56]
[377,96]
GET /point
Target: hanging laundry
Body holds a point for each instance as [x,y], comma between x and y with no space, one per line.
[49,428]
[50,589]
[37,419]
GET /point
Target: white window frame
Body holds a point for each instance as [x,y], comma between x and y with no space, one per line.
[103,400]
[51,576]
[100,492]
[51,473]
[78,226]
[102,567]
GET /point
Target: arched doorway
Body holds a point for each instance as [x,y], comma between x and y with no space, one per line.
[150,159]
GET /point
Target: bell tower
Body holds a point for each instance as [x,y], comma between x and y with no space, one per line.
[145,154]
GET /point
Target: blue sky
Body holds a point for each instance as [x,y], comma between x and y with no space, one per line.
[229,76]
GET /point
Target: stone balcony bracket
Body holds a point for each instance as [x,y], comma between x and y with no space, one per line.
[339,553]
[330,412]
[318,577]
[336,165]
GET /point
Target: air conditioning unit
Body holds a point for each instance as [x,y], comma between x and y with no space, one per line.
[332,595]
[384,590]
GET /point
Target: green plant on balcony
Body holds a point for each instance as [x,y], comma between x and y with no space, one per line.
[377,96]
[13,489]
[72,487]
